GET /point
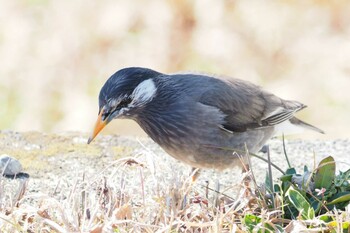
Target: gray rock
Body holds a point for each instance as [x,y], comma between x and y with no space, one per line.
[9,166]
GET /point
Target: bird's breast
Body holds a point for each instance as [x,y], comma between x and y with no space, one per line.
[192,134]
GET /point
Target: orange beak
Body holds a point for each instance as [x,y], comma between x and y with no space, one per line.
[99,125]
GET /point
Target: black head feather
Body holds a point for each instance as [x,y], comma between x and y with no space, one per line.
[123,82]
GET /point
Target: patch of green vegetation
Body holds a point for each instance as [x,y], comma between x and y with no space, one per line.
[309,198]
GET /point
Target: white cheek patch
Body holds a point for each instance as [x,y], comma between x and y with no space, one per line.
[144,92]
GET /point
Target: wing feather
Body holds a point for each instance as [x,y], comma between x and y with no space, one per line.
[246,106]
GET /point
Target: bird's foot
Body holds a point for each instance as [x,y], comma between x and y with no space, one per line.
[195,172]
[264,149]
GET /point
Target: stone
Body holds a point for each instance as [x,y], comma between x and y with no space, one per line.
[9,166]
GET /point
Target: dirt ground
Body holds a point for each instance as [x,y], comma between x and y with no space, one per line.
[58,160]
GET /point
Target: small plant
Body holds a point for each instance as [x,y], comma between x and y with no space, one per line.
[310,197]
[315,192]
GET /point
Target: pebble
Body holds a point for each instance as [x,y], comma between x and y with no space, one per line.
[9,166]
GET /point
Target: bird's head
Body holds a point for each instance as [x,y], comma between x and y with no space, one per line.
[124,95]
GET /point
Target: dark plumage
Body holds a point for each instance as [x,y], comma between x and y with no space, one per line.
[198,119]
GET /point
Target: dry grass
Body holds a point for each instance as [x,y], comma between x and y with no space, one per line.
[132,197]
[141,194]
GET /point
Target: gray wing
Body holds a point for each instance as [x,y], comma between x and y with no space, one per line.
[247,106]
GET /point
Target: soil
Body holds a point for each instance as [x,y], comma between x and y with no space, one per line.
[53,159]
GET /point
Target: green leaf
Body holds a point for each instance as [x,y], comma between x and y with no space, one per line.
[341,180]
[335,224]
[277,188]
[251,221]
[345,197]
[285,178]
[300,203]
[291,171]
[325,173]
[325,218]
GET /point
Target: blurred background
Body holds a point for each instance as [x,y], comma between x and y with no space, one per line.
[56,55]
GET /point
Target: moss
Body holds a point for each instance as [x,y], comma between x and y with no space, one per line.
[38,147]
[121,151]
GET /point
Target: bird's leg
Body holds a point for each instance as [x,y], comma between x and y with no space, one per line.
[246,179]
[195,172]
[245,161]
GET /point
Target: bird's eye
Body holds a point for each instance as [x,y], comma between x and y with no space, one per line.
[124,103]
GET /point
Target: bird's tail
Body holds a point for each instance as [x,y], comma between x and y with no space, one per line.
[295,121]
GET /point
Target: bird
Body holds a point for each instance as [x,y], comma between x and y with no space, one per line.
[202,120]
